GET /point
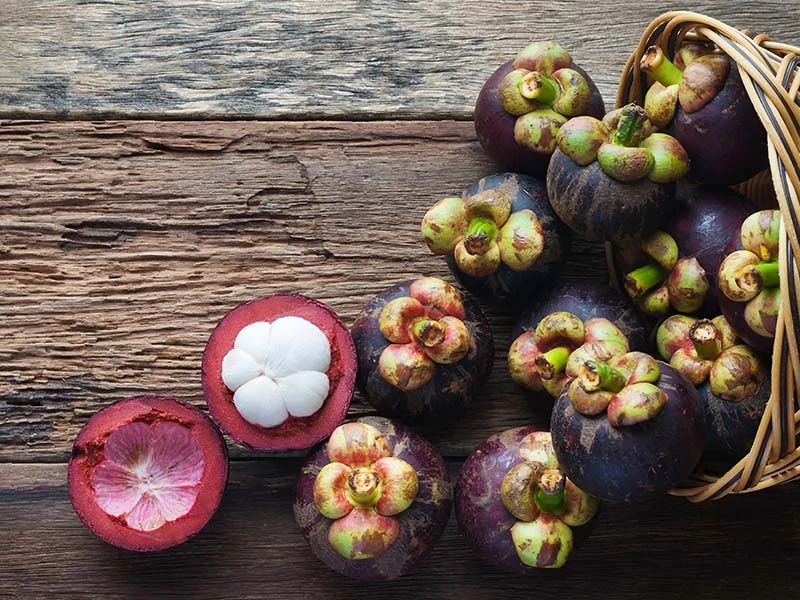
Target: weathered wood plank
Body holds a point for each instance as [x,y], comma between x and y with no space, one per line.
[123,243]
[308,59]
[252,549]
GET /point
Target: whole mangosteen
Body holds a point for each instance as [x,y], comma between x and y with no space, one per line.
[614,179]
[628,430]
[373,501]
[525,101]
[516,508]
[279,372]
[501,238]
[749,280]
[147,473]
[676,267]
[732,380]
[423,350]
[706,107]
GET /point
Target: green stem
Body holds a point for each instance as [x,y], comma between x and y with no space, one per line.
[536,86]
[600,376]
[770,273]
[706,339]
[551,363]
[428,332]
[481,234]
[630,126]
[639,281]
[759,276]
[655,63]
[550,491]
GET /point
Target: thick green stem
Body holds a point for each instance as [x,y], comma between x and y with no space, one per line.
[759,276]
[550,491]
[551,363]
[429,332]
[536,86]
[706,339]
[630,125]
[656,64]
[639,281]
[363,486]
[595,376]
[481,234]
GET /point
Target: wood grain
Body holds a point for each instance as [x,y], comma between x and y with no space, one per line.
[309,59]
[123,243]
[253,549]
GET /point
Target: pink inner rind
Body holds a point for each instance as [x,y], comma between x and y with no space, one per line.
[296,433]
[88,453]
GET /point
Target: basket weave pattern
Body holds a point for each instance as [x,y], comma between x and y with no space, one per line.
[770,72]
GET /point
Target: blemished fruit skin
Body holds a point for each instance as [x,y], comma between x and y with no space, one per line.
[637,462]
[297,433]
[452,388]
[87,453]
[420,526]
[495,127]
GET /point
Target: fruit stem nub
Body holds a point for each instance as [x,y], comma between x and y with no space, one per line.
[594,376]
[630,125]
[535,86]
[549,364]
[481,233]
[550,490]
[640,280]
[655,63]
[756,277]
[706,339]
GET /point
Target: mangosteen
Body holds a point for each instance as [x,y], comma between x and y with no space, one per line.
[501,238]
[423,349]
[524,102]
[733,382]
[706,107]
[547,357]
[279,372]
[516,508]
[749,280]
[628,430]
[614,179]
[147,473]
[374,500]
[676,267]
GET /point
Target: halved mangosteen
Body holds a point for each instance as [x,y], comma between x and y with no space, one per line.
[147,473]
[279,372]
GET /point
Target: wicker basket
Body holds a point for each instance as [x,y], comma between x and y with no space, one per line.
[771,75]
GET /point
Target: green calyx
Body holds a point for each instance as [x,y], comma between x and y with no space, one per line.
[692,345]
[622,146]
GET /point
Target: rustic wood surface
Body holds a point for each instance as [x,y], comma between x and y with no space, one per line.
[162,162]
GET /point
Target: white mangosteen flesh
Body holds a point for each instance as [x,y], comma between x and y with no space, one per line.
[150,474]
[278,369]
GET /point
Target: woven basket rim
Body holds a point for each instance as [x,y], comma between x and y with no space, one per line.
[770,72]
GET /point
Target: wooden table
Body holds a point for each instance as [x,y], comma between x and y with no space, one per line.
[162,162]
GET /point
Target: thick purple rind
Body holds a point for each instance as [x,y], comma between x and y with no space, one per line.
[588,300]
[453,386]
[731,427]
[734,311]
[725,140]
[421,525]
[480,513]
[495,127]
[634,463]
[506,287]
[600,208]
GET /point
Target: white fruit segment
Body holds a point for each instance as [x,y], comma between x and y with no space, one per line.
[150,474]
[278,369]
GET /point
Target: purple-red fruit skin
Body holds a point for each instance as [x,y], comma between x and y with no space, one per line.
[453,386]
[633,463]
[587,300]
[725,140]
[421,525]
[506,287]
[495,127]
[479,509]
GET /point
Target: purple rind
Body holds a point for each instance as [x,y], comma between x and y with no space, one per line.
[421,525]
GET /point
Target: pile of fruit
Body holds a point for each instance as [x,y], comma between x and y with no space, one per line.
[660,376]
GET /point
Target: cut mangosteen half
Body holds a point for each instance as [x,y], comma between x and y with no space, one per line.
[279,372]
[147,473]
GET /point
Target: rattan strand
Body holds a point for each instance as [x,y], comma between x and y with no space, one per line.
[770,72]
